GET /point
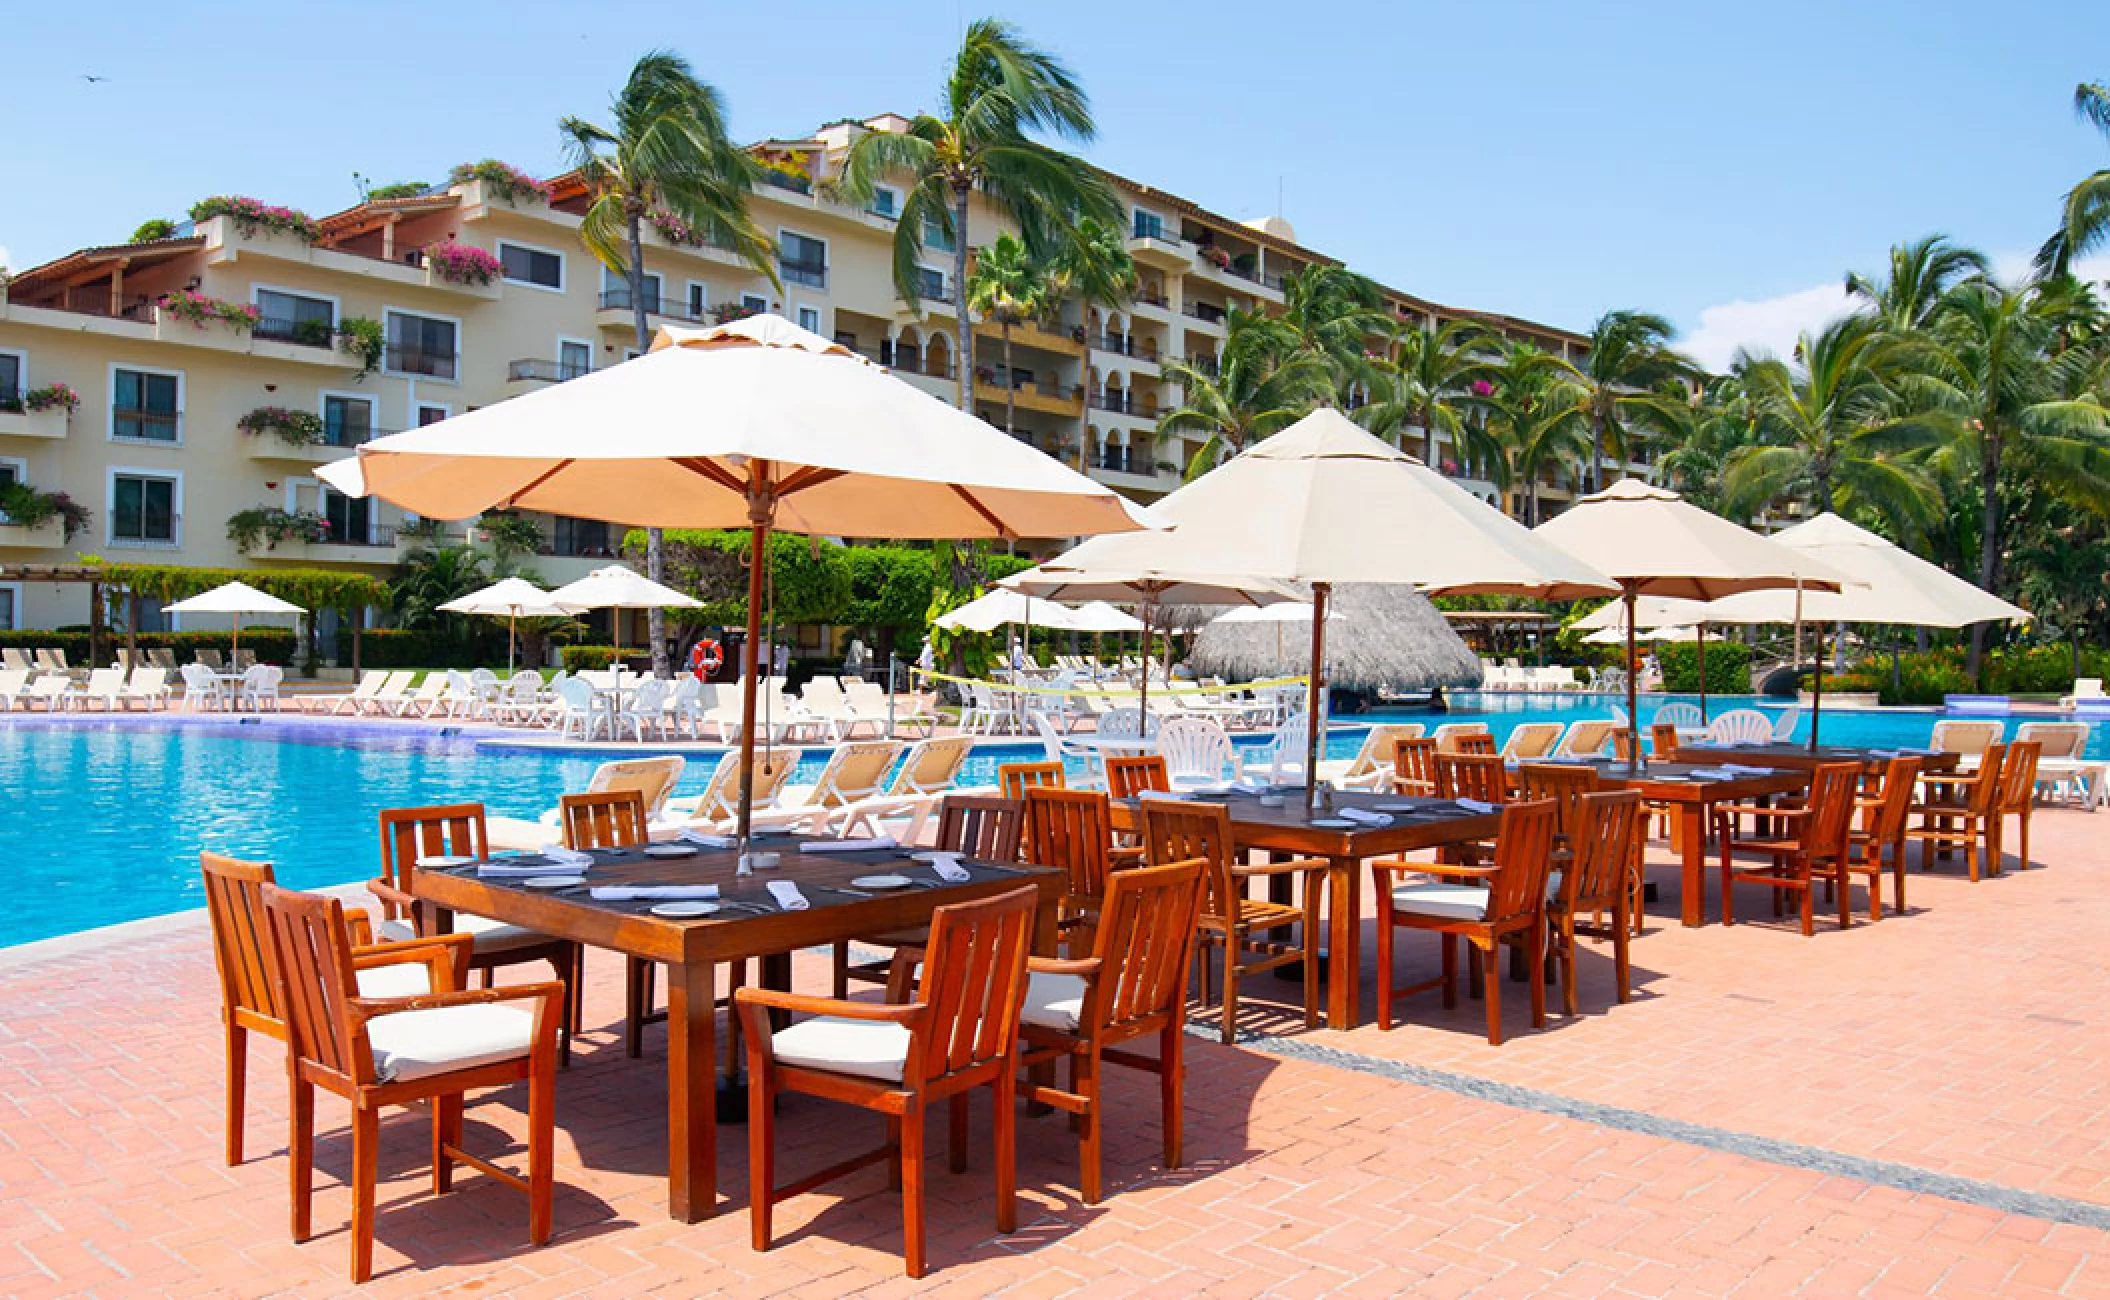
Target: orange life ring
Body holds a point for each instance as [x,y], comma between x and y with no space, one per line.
[705,658]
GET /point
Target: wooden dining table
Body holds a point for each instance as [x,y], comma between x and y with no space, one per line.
[750,925]
[1417,823]
[1802,758]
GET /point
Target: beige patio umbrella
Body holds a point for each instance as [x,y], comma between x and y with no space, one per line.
[754,424]
[1652,542]
[511,599]
[618,587]
[236,598]
[1324,502]
[1892,585]
[1656,618]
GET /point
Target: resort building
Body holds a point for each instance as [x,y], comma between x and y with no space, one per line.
[211,372]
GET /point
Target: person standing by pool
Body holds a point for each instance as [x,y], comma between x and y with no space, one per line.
[854,658]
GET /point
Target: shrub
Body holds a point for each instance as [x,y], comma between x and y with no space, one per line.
[362,338]
[724,313]
[502,179]
[398,647]
[811,578]
[890,586]
[1728,667]
[294,428]
[274,645]
[396,190]
[152,229]
[27,507]
[203,309]
[508,533]
[462,263]
[50,397]
[586,658]
[251,215]
[270,525]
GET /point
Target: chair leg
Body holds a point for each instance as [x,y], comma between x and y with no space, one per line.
[1567,959]
[1088,1086]
[446,1131]
[1450,972]
[762,1156]
[1312,965]
[956,1133]
[1172,1065]
[1006,1125]
[1384,967]
[1809,905]
[1232,945]
[542,1150]
[366,1138]
[637,1000]
[912,1188]
[1493,982]
[1535,959]
[2023,865]
[300,1156]
[1622,960]
[237,1088]
[842,969]
[1845,884]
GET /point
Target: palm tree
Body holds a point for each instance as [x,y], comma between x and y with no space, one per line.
[1335,313]
[1001,86]
[1920,273]
[1538,421]
[1264,382]
[666,150]
[1095,266]
[2085,222]
[1702,429]
[1009,287]
[1830,433]
[1630,354]
[1432,374]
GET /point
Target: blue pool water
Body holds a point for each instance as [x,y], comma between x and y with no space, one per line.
[105,819]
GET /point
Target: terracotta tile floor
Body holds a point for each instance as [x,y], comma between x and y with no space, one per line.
[1967,1038]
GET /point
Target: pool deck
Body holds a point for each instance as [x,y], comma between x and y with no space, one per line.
[1909,1108]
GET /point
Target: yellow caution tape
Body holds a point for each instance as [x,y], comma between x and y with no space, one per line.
[1025,689]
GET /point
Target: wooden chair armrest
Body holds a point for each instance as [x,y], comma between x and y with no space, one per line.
[444,956]
[360,928]
[1456,869]
[1398,867]
[1758,810]
[1124,856]
[1290,867]
[389,894]
[1084,968]
[547,992]
[892,1013]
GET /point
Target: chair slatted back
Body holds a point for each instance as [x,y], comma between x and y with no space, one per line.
[1014,779]
[1414,765]
[408,834]
[1663,739]
[1378,745]
[1182,830]
[1145,941]
[603,819]
[1601,844]
[1128,774]
[1474,742]
[932,765]
[1564,783]
[974,982]
[312,962]
[2018,775]
[1472,776]
[1071,829]
[1983,795]
[1894,805]
[982,827]
[1832,790]
[1623,747]
[857,770]
[1529,740]
[1523,856]
[241,937]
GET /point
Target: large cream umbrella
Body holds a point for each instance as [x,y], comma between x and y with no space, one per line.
[1324,502]
[1652,542]
[511,599]
[756,424]
[236,598]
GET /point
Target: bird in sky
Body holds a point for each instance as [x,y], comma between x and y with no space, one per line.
[91,78]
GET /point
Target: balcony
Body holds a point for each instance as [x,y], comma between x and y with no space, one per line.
[1160,248]
[1155,304]
[388,551]
[527,374]
[786,181]
[1070,344]
[1208,313]
[131,425]
[810,274]
[17,421]
[409,359]
[1055,399]
[303,333]
[336,444]
[47,536]
[1125,404]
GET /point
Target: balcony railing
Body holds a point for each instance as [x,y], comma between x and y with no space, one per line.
[548,372]
[1118,460]
[619,299]
[1253,276]
[150,426]
[1114,343]
[1124,404]
[92,300]
[805,273]
[786,181]
[1204,311]
[1150,299]
[1157,233]
[409,359]
[1205,363]
[307,333]
[351,435]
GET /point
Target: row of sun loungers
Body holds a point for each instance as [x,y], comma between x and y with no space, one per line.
[1512,677]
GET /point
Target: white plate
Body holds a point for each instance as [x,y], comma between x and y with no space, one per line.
[552,882]
[1333,823]
[882,882]
[434,861]
[685,908]
[670,850]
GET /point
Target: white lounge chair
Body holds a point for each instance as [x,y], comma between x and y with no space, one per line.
[2062,765]
[429,698]
[1784,724]
[14,687]
[856,771]
[930,769]
[1587,738]
[2084,688]
[16,659]
[347,701]
[105,690]
[717,808]
[1448,734]
[1531,740]
[1967,738]
[1371,768]
[654,778]
[147,687]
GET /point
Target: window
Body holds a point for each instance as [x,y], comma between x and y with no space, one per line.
[580,537]
[525,265]
[810,319]
[347,421]
[885,203]
[615,290]
[754,302]
[10,606]
[802,259]
[422,345]
[429,413]
[936,236]
[351,518]
[143,509]
[146,405]
[574,358]
[1149,225]
[699,300]
[930,283]
[10,474]
[13,365]
[295,318]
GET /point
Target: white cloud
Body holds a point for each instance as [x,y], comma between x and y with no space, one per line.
[1766,325]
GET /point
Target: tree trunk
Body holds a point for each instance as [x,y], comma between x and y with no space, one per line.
[1988,540]
[1010,384]
[1428,437]
[655,540]
[1597,422]
[963,351]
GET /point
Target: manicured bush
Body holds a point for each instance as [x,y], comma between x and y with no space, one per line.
[1728,667]
[396,647]
[273,645]
[889,586]
[586,658]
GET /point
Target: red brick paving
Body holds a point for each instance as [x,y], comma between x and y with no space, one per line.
[1967,1037]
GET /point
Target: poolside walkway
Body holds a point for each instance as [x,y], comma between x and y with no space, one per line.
[1907,1109]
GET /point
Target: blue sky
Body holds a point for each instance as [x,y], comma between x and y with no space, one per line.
[1546,160]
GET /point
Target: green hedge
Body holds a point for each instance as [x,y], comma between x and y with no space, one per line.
[586,658]
[273,645]
[1728,667]
[395,647]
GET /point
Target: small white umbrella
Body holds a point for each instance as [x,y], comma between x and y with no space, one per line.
[236,598]
[616,587]
[511,599]
[1098,616]
[989,612]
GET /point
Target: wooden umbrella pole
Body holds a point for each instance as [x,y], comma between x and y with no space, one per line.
[1633,705]
[1315,693]
[1143,696]
[760,503]
[1699,640]
[1817,691]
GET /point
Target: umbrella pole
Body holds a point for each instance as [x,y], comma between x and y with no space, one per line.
[1314,714]
[1633,706]
[1817,691]
[758,512]
[1699,641]
[512,626]
[1143,697]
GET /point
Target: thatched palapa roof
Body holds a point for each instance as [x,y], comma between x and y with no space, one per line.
[1378,636]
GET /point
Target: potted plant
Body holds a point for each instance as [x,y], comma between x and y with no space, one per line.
[51,397]
[26,507]
[267,526]
[362,338]
[501,179]
[253,215]
[294,428]
[201,310]
[462,263]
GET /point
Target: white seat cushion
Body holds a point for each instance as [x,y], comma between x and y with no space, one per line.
[1448,902]
[403,979]
[490,935]
[870,1049]
[417,1044]
[1054,1001]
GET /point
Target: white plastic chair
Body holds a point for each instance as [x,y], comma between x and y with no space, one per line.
[575,711]
[1682,715]
[1281,756]
[1741,727]
[202,691]
[1197,751]
[1784,724]
[260,684]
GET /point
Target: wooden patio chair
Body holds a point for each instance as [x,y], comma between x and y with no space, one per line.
[611,819]
[1663,741]
[430,1048]
[1962,811]
[957,1031]
[2018,796]
[1181,830]
[1812,844]
[1414,766]
[408,834]
[1485,906]
[1014,779]
[1880,828]
[1564,783]
[1474,743]
[1073,830]
[241,950]
[1471,776]
[1127,775]
[1594,889]
[1133,985]
[982,827]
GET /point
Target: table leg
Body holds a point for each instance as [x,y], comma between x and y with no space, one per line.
[1344,934]
[1692,852]
[692,1092]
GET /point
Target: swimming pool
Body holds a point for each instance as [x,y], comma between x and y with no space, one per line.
[106,817]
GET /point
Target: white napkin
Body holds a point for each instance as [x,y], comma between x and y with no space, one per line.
[788,896]
[1739,769]
[1365,816]
[1886,753]
[849,846]
[502,869]
[1474,805]
[1165,794]
[569,857]
[628,893]
[1245,785]
[708,840]
[1713,773]
[948,867]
